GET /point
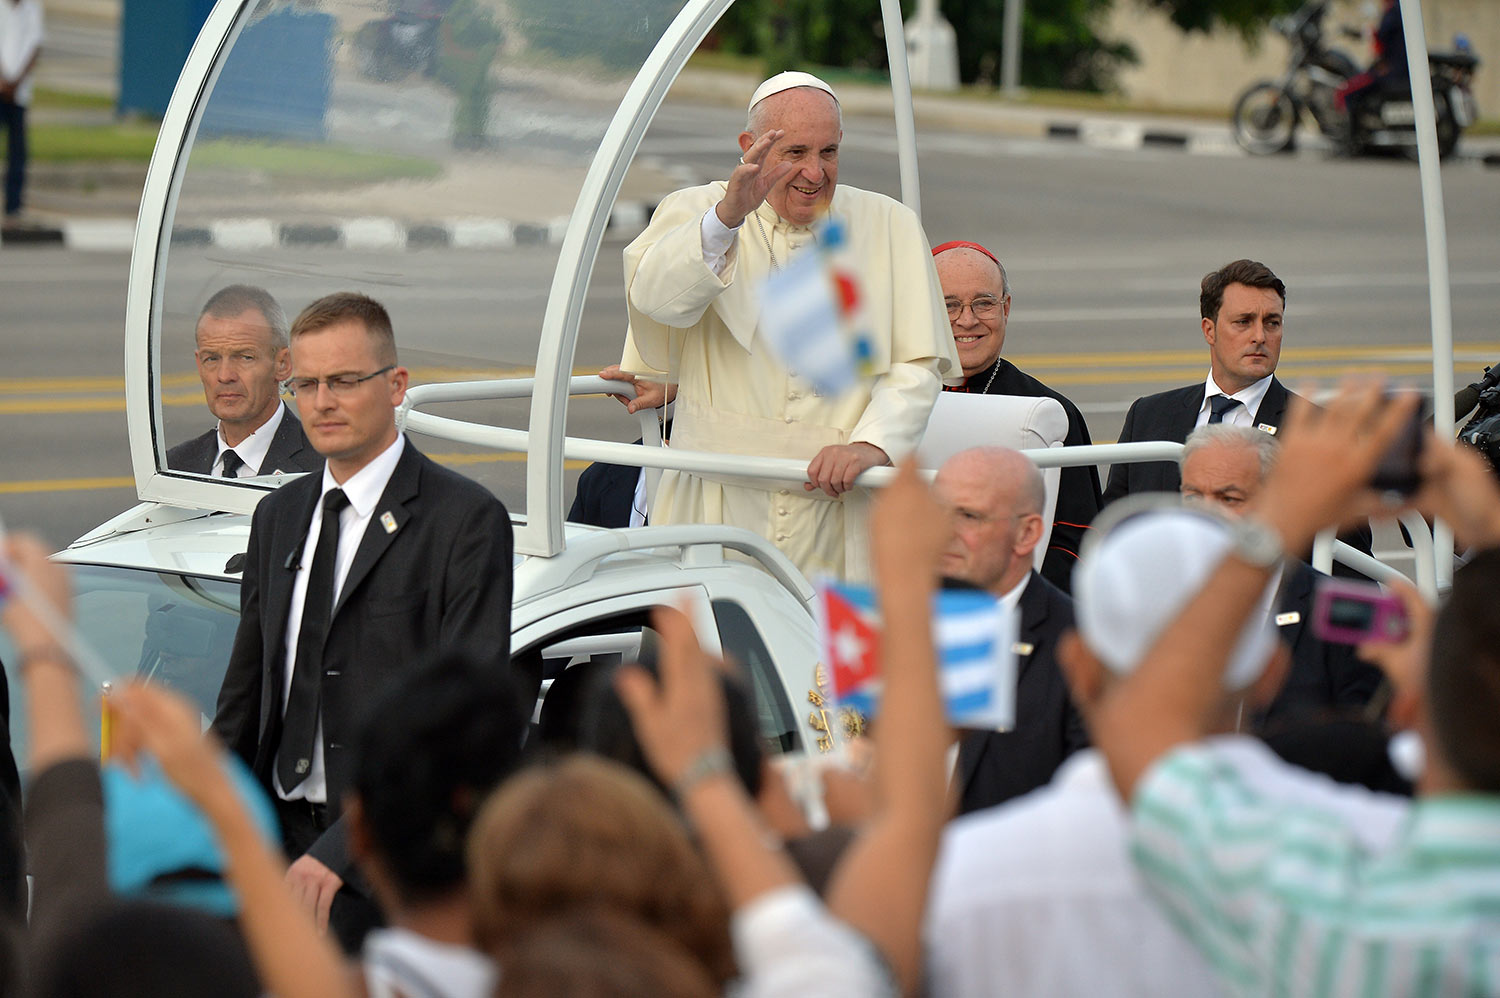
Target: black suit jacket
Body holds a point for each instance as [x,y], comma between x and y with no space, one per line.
[1323,677]
[605,495]
[1078,499]
[994,766]
[440,580]
[289,451]
[1170,416]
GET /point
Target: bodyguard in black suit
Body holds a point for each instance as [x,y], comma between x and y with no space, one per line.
[1241,305]
[351,576]
[240,348]
[996,495]
[994,766]
[288,453]
[1172,416]
[1225,466]
[977,293]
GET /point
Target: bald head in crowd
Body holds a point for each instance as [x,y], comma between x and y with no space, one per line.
[996,496]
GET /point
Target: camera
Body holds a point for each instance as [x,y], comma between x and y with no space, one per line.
[1350,613]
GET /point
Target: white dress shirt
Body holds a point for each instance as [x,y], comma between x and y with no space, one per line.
[1242,414]
[1038,897]
[364,489]
[253,449]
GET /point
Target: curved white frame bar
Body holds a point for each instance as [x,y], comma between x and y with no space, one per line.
[153,238]
[1440,293]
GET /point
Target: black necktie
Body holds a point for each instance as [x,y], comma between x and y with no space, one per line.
[300,726]
[1218,406]
[232,464]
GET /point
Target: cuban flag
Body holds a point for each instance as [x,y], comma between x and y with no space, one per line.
[974,636]
[812,315]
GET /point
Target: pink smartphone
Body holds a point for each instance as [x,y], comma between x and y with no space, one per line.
[1351,613]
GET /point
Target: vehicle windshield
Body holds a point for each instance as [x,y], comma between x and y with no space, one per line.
[428,153]
[170,628]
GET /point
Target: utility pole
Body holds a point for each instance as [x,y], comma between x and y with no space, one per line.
[1010,50]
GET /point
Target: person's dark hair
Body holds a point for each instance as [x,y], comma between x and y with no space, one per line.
[1246,272]
[1463,681]
[141,949]
[347,306]
[235,299]
[599,953]
[604,728]
[428,752]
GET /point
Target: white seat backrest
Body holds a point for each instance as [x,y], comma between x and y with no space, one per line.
[960,420]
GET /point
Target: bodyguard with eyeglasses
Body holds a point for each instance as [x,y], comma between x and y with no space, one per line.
[976,293]
[352,575]
[242,356]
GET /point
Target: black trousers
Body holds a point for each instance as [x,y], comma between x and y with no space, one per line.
[353,913]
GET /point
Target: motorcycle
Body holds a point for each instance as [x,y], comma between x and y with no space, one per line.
[1266,116]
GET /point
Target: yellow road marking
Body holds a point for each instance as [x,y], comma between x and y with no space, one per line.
[65,485]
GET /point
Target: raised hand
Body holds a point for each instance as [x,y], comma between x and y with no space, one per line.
[751,182]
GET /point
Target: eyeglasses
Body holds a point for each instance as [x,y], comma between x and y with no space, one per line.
[983,308]
[339,384]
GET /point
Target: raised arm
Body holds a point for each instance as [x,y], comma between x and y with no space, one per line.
[293,958]
[1321,478]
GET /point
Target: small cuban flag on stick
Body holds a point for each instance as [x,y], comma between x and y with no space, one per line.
[813,317]
[974,636]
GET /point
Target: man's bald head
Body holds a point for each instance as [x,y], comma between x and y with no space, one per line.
[766,112]
[996,496]
[977,295]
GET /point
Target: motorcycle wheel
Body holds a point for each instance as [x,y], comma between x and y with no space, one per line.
[1264,120]
[1447,129]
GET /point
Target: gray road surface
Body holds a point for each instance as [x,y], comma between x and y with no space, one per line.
[1104,249]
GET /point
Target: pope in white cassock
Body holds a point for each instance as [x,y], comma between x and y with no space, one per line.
[694,280]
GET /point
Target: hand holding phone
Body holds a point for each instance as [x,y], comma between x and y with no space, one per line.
[1352,613]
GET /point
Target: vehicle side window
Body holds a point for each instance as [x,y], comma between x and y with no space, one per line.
[744,645]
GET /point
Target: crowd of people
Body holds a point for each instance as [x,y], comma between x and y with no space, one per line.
[1199,794]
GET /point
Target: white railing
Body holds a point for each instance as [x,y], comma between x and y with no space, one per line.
[655,458]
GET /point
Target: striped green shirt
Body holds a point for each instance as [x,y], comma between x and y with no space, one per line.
[1288,888]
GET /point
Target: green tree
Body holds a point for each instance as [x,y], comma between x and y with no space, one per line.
[1060,43]
[1246,16]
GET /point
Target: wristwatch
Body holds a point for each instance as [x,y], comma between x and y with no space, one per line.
[1256,543]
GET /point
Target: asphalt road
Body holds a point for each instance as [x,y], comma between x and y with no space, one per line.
[1104,249]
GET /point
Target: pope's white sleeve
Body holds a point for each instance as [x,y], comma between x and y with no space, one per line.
[718,240]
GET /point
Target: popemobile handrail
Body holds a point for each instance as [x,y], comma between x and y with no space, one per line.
[1326,550]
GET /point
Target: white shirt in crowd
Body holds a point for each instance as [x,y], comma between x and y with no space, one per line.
[788,945]
[399,963]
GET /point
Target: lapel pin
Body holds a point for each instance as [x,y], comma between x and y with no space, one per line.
[388,522]
[1267,427]
[1290,617]
[1022,648]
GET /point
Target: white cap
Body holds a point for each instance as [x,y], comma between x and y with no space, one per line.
[1135,579]
[789,81]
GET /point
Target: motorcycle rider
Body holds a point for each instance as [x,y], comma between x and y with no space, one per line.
[1388,71]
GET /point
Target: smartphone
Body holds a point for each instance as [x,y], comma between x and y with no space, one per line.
[1399,471]
[1350,613]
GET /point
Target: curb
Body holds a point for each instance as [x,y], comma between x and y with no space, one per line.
[1127,135]
[118,234]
